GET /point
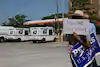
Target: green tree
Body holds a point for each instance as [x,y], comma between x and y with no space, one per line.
[52,16]
[12,21]
[17,20]
[20,19]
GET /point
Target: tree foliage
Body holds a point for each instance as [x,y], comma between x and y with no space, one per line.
[53,16]
[17,20]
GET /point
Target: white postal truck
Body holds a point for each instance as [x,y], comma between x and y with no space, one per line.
[43,34]
[5,32]
[22,34]
[11,33]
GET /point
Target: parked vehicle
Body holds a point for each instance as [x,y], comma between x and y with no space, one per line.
[11,33]
[5,31]
[22,34]
[35,34]
[43,34]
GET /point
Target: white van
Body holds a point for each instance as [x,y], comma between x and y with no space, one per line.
[34,34]
[5,32]
[22,34]
[43,34]
[11,33]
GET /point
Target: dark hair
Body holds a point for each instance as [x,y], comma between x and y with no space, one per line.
[91,21]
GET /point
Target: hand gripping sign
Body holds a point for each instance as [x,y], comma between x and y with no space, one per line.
[83,58]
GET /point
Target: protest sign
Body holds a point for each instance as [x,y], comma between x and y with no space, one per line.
[83,58]
[81,26]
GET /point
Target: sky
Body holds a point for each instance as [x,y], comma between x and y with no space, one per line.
[33,9]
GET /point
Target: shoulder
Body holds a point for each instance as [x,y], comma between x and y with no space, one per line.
[92,28]
[92,25]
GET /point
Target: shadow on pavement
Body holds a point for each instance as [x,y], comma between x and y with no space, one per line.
[13,41]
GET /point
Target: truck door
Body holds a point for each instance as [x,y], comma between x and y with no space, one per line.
[26,32]
[50,31]
[50,36]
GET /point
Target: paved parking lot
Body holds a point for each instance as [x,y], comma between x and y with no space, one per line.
[28,54]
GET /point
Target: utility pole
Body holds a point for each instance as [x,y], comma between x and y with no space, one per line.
[58,27]
[63,9]
[57,8]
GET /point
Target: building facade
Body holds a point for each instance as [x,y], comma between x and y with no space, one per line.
[96,5]
[91,6]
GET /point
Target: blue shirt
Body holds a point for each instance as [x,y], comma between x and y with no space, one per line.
[92,28]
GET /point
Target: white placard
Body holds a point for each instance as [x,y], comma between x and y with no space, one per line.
[81,26]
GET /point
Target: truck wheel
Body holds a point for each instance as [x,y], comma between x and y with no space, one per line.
[34,41]
[1,39]
[19,40]
[55,39]
[43,40]
[37,41]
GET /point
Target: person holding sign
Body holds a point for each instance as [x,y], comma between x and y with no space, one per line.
[84,40]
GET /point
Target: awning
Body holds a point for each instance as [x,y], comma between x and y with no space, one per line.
[43,21]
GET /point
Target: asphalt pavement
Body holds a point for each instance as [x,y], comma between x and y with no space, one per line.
[28,54]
